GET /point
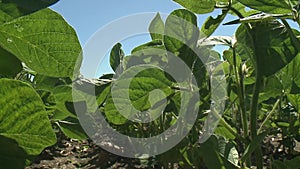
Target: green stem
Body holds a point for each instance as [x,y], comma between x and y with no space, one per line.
[269,116]
[241,96]
[253,118]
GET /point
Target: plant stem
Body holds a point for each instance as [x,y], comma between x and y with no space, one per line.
[269,115]
[253,117]
[241,96]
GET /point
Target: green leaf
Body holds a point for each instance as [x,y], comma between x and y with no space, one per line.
[10,9]
[10,66]
[49,50]
[253,145]
[211,24]
[181,31]
[267,43]
[198,6]
[11,155]
[71,128]
[23,117]
[116,57]
[135,94]
[156,28]
[269,6]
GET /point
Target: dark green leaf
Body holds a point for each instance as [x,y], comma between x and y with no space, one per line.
[47,49]
[253,145]
[11,155]
[211,24]
[198,6]
[23,117]
[10,9]
[269,6]
[71,128]
[156,28]
[10,66]
[267,43]
[116,57]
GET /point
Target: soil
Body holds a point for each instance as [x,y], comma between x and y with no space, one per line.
[73,154]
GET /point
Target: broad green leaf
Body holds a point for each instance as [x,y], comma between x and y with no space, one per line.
[181,31]
[10,66]
[10,9]
[11,155]
[135,94]
[198,6]
[23,117]
[267,43]
[71,128]
[49,50]
[212,157]
[156,28]
[211,24]
[269,6]
[116,57]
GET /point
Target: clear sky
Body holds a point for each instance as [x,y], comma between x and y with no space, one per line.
[88,16]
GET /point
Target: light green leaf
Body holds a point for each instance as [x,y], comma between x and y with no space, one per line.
[116,56]
[23,117]
[156,28]
[198,6]
[49,50]
[136,94]
[269,6]
[181,31]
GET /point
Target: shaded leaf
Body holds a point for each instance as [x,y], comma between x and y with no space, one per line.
[10,66]
[116,56]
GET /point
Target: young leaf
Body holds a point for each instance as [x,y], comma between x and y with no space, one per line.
[116,56]
[23,117]
[211,24]
[47,49]
[156,28]
[198,6]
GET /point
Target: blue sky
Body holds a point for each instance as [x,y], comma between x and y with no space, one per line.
[88,16]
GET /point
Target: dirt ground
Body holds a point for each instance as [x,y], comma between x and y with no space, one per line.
[73,154]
